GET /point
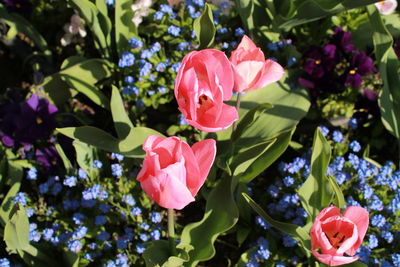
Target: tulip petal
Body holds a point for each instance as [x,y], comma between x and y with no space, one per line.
[333,260]
[360,217]
[204,152]
[271,73]
[205,124]
[245,74]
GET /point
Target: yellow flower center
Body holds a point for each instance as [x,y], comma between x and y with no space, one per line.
[317,62]
[39,121]
[352,72]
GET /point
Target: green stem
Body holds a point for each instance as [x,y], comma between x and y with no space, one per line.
[237,108]
[171,231]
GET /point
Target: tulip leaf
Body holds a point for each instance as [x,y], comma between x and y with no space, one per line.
[16,231]
[124,27]
[158,254]
[295,231]
[217,219]
[15,174]
[339,197]
[316,192]
[245,9]
[84,156]
[131,146]
[99,23]
[389,98]
[204,27]
[122,123]
[84,75]
[64,158]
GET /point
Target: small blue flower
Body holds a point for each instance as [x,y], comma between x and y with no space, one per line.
[378,220]
[47,234]
[4,262]
[355,146]
[156,217]
[135,43]
[262,223]
[43,188]
[116,169]
[337,137]
[396,259]
[136,211]
[97,164]
[79,233]
[272,46]
[20,198]
[288,181]
[29,212]
[174,31]
[100,220]
[140,248]
[110,2]
[103,236]
[291,61]
[129,80]
[78,218]
[239,32]
[324,130]
[70,181]
[32,174]
[155,234]
[288,241]
[158,15]
[156,47]
[372,242]
[127,59]
[82,174]
[222,30]
[175,67]
[273,191]
[161,67]
[118,157]
[75,246]
[128,199]
[353,123]
[388,236]
[144,226]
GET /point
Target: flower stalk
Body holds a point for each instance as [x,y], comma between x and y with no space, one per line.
[171,231]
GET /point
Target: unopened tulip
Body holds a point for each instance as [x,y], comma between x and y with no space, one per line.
[252,71]
[173,172]
[386,7]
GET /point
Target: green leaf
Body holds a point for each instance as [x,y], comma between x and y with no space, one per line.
[124,27]
[353,264]
[316,192]
[84,156]
[84,75]
[247,121]
[15,174]
[64,158]
[389,99]
[295,231]
[20,24]
[131,146]
[204,27]
[216,220]
[339,197]
[245,9]
[99,24]
[158,254]
[16,231]
[122,123]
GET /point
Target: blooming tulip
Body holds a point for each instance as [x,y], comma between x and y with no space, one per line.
[203,82]
[173,172]
[333,235]
[251,69]
[386,7]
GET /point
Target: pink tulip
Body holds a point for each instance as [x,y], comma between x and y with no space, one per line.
[251,69]
[204,81]
[386,7]
[333,235]
[173,172]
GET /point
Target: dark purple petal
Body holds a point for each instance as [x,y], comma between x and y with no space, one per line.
[7,141]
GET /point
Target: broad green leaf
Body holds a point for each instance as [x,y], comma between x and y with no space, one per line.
[295,231]
[204,27]
[245,257]
[84,156]
[83,77]
[353,264]
[131,146]
[389,99]
[39,256]
[97,22]
[251,117]
[254,164]
[20,24]
[217,219]
[15,174]
[124,27]
[316,192]
[311,10]
[122,123]
[16,231]
[245,9]
[158,254]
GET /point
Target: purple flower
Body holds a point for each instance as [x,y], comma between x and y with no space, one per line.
[48,157]
[360,66]
[342,39]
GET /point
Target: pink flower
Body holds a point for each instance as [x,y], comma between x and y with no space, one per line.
[204,81]
[251,69]
[173,2]
[333,235]
[173,172]
[386,7]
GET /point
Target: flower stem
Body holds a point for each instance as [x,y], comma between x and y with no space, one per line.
[237,108]
[171,231]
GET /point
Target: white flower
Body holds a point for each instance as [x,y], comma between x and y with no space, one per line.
[386,7]
[73,30]
[141,8]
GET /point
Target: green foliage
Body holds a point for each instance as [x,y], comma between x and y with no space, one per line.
[389,99]
[98,22]
[217,219]
[316,192]
[204,27]
[16,232]
[158,254]
[18,24]
[124,28]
